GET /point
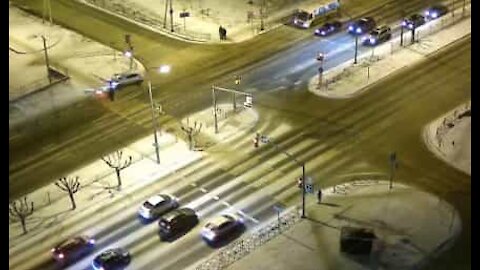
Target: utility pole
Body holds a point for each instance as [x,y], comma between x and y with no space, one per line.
[393,166]
[171,17]
[356,49]
[165,17]
[262,12]
[413,33]
[401,36]
[154,122]
[264,139]
[47,63]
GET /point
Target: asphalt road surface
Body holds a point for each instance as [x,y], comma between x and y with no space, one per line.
[334,136]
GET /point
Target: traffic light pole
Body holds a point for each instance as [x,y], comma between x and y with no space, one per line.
[214,99]
[299,163]
[356,49]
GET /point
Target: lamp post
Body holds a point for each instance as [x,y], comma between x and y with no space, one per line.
[356,49]
[162,69]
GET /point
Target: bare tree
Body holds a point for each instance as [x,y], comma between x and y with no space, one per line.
[69,185]
[19,210]
[191,133]
[115,161]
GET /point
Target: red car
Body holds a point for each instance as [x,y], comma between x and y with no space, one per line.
[73,249]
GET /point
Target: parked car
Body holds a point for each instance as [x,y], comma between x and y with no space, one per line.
[328,28]
[112,259]
[220,227]
[124,79]
[364,25]
[157,205]
[435,11]
[73,249]
[177,222]
[413,21]
[377,36]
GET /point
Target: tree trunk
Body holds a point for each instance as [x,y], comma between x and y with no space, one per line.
[118,178]
[24,226]
[72,200]
[190,140]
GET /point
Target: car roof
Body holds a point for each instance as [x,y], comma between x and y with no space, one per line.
[177,212]
[383,27]
[110,253]
[72,241]
[217,221]
[154,200]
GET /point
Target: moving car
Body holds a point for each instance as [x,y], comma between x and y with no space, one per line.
[220,227]
[112,259]
[413,21]
[435,11]
[124,79]
[364,25]
[157,205]
[379,35]
[73,249]
[328,28]
[302,19]
[177,222]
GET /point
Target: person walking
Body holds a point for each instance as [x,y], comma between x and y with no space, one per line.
[224,33]
[220,32]
[319,196]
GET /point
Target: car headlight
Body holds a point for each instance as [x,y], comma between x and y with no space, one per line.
[91,241]
[295,21]
[61,256]
[410,25]
[434,15]
[305,24]
[427,13]
[359,30]
[350,28]
[208,234]
[372,40]
[404,23]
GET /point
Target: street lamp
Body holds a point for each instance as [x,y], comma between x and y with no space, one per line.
[162,69]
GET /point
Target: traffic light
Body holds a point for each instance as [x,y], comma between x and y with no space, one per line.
[256,140]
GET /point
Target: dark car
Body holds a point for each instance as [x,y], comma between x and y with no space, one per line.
[435,11]
[112,259]
[177,222]
[362,26]
[157,205]
[328,28]
[220,227]
[73,249]
[377,36]
[413,21]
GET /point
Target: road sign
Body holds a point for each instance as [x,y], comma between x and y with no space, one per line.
[248,102]
[309,188]
[184,14]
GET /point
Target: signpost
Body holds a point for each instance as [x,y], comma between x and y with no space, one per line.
[278,207]
[184,15]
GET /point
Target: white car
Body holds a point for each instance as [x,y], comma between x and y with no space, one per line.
[124,79]
[157,205]
[220,226]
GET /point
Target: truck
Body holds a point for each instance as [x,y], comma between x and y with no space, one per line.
[313,13]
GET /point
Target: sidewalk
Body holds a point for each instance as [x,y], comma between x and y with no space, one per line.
[86,61]
[348,80]
[53,220]
[411,227]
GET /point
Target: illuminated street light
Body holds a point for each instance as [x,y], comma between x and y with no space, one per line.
[162,69]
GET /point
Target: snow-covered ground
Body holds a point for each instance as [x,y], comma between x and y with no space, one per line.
[240,18]
[85,61]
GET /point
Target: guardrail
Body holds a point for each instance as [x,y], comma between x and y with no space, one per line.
[242,247]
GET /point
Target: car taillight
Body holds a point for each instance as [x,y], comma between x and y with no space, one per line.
[60,256]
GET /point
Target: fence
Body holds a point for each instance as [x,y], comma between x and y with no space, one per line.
[148,18]
[242,247]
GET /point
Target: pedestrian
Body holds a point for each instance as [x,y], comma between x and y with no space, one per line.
[453,143]
[220,32]
[224,34]
[319,196]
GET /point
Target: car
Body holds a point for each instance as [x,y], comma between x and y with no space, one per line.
[112,259]
[435,11]
[124,79]
[73,249]
[157,205]
[177,222]
[364,25]
[328,28]
[220,226]
[413,21]
[377,36]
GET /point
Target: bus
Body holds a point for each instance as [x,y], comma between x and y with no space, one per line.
[310,15]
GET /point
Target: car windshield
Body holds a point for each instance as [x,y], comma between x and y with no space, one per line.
[375,33]
[303,15]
